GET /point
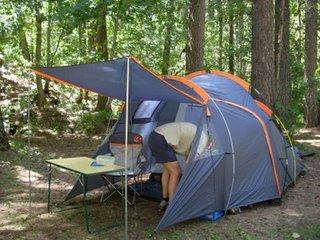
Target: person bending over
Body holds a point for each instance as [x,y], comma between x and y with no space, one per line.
[167,140]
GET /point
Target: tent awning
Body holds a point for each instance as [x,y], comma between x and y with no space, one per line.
[109,78]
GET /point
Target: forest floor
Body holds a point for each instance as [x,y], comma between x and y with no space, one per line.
[297,217]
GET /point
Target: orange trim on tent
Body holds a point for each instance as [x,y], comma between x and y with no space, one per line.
[264,107]
[199,90]
[234,78]
[52,78]
[145,68]
[195,74]
[205,100]
[267,138]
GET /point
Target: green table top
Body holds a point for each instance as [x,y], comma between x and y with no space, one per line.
[82,165]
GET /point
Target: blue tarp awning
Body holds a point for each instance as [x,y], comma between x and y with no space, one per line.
[109,78]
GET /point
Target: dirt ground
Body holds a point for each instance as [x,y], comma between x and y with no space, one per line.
[297,217]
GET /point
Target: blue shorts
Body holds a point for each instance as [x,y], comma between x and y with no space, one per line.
[160,149]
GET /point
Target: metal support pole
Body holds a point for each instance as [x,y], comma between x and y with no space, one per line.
[233,153]
[49,187]
[126,150]
[29,149]
[122,190]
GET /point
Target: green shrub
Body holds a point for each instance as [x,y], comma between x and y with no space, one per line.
[95,122]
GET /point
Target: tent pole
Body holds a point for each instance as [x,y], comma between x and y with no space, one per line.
[286,132]
[126,149]
[29,148]
[233,153]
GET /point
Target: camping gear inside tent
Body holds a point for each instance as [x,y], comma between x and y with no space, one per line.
[250,160]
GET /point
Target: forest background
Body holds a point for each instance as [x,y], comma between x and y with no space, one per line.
[272,44]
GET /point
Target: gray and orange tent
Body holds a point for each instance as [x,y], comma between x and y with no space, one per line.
[251,161]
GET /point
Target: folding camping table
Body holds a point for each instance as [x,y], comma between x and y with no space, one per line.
[82,166]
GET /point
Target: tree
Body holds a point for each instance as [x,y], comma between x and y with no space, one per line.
[240,35]
[195,43]
[167,40]
[49,30]
[262,60]
[231,36]
[220,20]
[39,20]
[116,20]
[4,140]
[310,64]
[102,47]
[282,22]
[24,46]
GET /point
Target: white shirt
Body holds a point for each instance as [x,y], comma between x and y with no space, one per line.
[180,136]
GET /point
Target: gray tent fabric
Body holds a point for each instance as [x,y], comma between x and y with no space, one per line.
[250,160]
[194,189]
[109,79]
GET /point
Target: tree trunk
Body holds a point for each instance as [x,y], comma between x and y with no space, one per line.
[82,41]
[167,40]
[231,37]
[41,97]
[240,37]
[82,53]
[114,37]
[91,39]
[102,37]
[195,44]
[102,48]
[282,69]
[262,59]
[300,29]
[220,20]
[23,39]
[310,64]
[49,64]
[4,140]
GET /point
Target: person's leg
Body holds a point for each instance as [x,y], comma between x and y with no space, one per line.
[174,176]
[164,183]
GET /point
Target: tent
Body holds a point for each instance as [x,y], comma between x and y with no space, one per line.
[250,162]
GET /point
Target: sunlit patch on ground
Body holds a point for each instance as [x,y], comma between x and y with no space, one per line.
[38,180]
[313,142]
[292,212]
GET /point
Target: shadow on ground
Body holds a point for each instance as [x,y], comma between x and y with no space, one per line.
[297,216]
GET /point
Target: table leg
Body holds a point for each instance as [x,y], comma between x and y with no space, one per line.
[85,182]
[123,197]
[49,187]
